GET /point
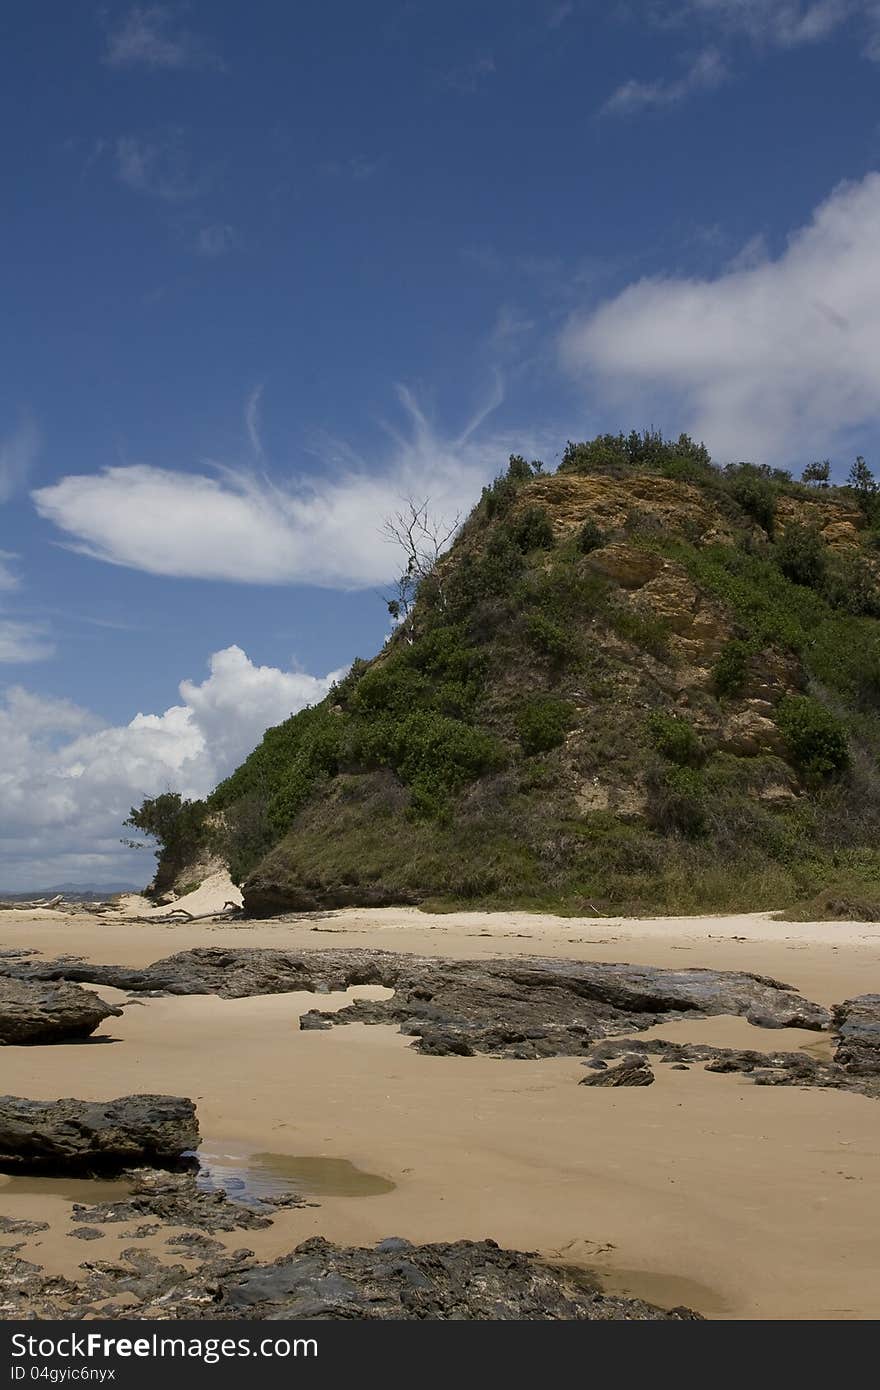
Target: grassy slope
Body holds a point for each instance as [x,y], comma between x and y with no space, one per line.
[543,734]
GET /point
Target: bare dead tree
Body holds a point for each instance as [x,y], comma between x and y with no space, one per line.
[422,538]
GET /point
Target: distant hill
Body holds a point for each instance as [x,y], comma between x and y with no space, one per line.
[82,892]
[640,684]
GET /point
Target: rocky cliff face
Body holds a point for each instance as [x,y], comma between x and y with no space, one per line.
[638,684]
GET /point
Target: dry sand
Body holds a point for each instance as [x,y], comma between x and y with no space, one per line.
[742,1201]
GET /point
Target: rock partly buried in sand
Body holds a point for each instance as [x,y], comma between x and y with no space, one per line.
[465,1280]
[77,1135]
[857,1023]
[763,1068]
[627,1074]
[174,1199]
[37,1011]
[515,1007]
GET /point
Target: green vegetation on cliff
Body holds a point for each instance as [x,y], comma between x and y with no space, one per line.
[642,683]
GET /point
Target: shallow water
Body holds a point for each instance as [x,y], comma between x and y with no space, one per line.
[253,1177]
[89,1191]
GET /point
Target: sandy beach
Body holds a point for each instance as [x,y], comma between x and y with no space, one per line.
[738,1200]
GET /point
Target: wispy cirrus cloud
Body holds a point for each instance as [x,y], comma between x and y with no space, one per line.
[158,168]
[23,642]
[150,36]
[242,525]
[216,239]
[18,453]
[725,25]
[9,580]
[705,73]
[471,74]
[774,359]
[781,23]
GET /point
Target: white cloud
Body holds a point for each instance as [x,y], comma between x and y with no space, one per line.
[705,73]
[18,453]
[157,169]
[8,578]
[778,360]
[240,525]
[147,36]
[782,22]
[67,783]
[471,74]
[785,23]
[252,412]
[216,240]
[23,642]
[762,24]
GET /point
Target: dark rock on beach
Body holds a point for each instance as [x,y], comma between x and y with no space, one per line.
[762,1068]
[470,1280]
[857,1023]
[45,1011]
[79,1135]
[515,1007]
[174,1199]
[627,1074]
[464,1280]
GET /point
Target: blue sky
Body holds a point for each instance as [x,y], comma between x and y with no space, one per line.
[270,268]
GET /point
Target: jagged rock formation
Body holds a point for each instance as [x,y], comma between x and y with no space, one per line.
[77,1135]
[857,1022]
[471,1280]
[517,1007]
[639,684]
[33,1011]
[858,1072]
[160,1198]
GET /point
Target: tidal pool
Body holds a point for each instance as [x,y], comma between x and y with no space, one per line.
[255,1177]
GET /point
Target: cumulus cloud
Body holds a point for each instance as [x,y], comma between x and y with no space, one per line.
[148,36]
[705,73]
[241,525]
[67,781]
[772,361]
[18,453]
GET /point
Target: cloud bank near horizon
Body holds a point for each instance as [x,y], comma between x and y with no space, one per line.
[67,781]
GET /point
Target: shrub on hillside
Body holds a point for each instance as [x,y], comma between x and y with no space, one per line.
[675,738]
[677,802]
[542,724]
[549,639]
[615,453]
[175,823]
[645,630]
[497,499]
[751,487]
[801,555]
[850,584]
[532,530]
[730,672]
[590,537]
[816,739]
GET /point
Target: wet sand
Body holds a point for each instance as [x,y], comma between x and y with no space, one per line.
[742,1201]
